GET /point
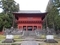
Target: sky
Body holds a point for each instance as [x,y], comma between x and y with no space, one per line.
[32,5]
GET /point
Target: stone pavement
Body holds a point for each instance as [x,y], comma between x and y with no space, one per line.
[29,43]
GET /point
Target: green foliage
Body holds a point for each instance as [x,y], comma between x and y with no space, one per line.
[53,17]
[4,21]
[9,6]
[6,17]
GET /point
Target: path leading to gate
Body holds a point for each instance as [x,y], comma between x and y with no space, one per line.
[30,37]
[29,41]
[29,34]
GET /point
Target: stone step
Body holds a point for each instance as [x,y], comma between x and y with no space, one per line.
[28,33]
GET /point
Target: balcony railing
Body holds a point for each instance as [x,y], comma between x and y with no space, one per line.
[29,21]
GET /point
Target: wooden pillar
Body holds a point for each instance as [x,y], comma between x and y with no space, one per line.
[40,27]
[37,27]
[26,28]
[22,27]
[32,28]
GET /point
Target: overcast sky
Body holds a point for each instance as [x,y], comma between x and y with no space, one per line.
[33,4]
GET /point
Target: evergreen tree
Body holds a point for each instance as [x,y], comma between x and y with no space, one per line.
[6,18]
[9,6]
[53,18]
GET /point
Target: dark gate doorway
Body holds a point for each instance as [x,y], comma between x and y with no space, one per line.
[29,28]
[24,28]
[35,27]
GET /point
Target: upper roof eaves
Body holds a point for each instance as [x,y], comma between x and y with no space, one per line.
[29,11]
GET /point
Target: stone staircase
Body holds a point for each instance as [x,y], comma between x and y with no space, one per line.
[31,34]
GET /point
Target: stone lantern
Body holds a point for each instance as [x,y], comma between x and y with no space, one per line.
[9,39]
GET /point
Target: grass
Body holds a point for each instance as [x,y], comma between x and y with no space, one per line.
[16,37]
[42,36]
[2,37]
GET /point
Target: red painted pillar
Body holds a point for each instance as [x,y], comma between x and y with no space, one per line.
[32,28]
[37,27]
[26,28]
[22,27]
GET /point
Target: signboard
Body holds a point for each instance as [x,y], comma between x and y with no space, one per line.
[49,37]
[9,36]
